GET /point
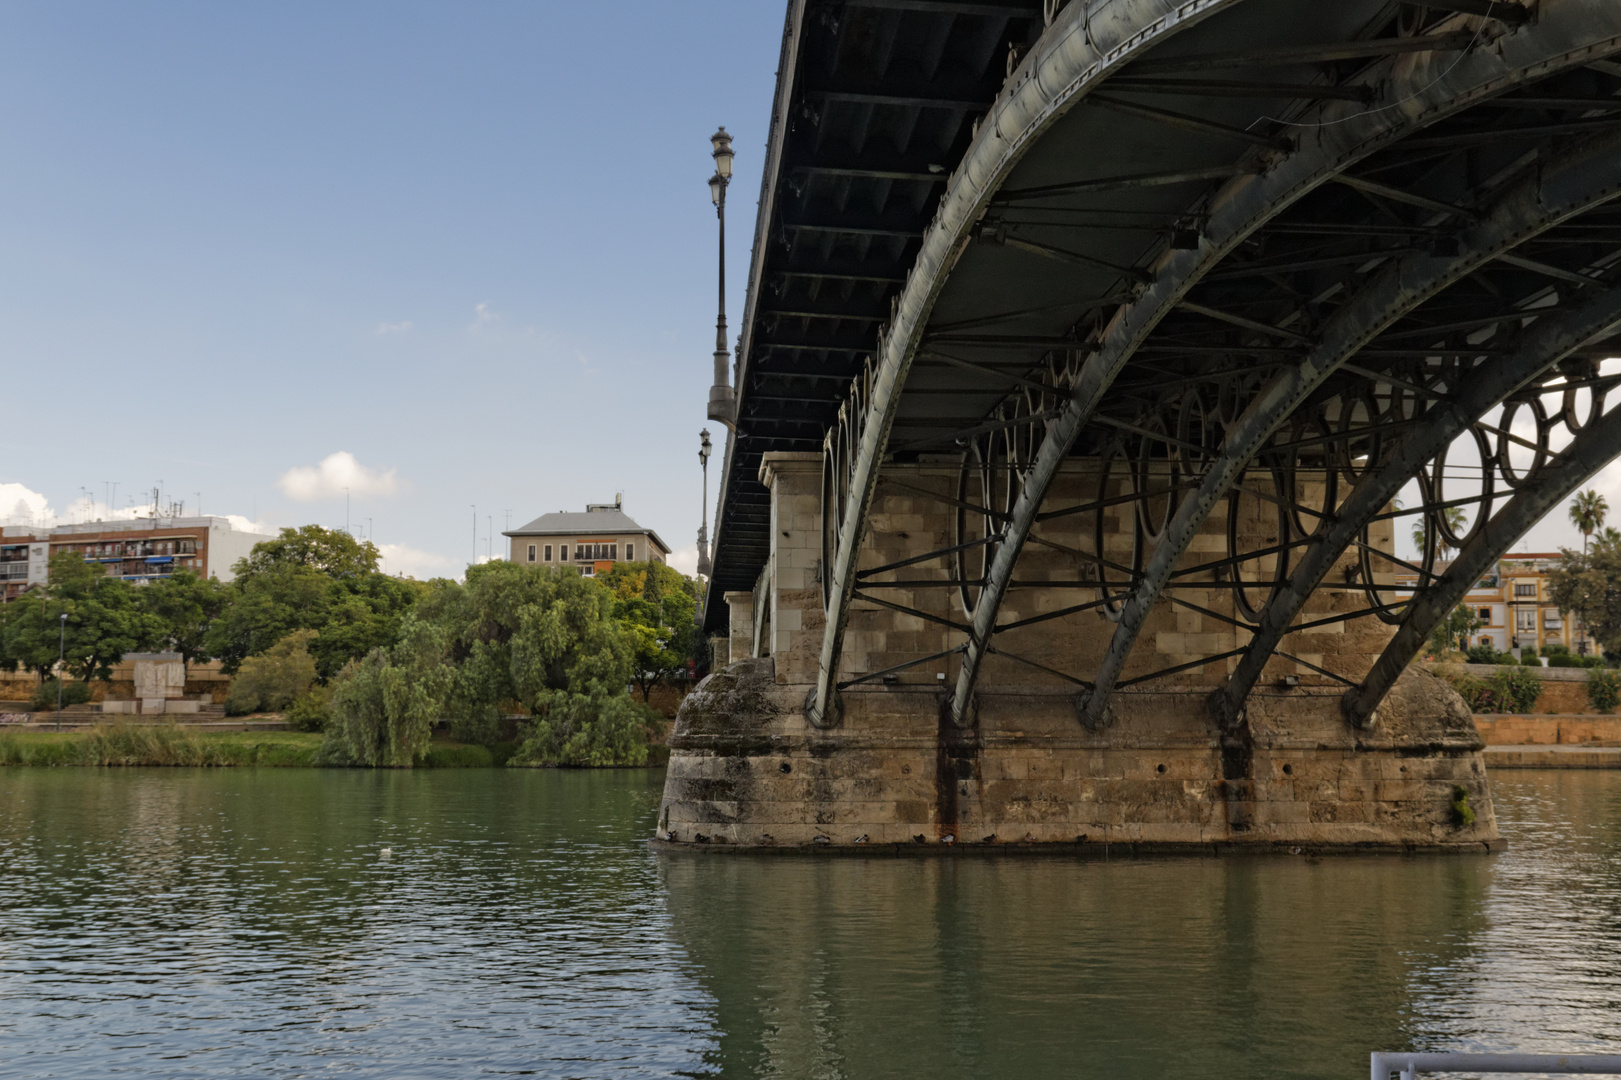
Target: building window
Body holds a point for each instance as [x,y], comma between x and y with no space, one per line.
[548,553]
[1525,620]
[565,553]
[1525,590]
[531,552]
[1484,640]
[596,552]
[630,552]
[1486,615]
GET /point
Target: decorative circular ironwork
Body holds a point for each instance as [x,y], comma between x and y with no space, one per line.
[1277,550]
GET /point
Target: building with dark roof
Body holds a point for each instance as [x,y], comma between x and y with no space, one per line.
[590,541]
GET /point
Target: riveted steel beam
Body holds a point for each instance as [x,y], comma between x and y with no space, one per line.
[1550,339]
[1085,43]
[1419,91]
[1586,176]
[1594,447]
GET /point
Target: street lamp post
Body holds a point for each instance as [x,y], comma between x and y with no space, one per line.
[703,526]
[722,399]
[61,659]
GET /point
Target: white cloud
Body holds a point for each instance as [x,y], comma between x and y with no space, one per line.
[395,327]
[483,316]
[413,562]
[336,472]
[243,524]
[23,506]
[685,560]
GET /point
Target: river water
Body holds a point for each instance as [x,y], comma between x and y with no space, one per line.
[464,923]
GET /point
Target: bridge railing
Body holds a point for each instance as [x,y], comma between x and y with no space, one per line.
[1409,1066]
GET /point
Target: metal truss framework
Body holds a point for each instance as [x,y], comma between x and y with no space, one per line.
[1268,340]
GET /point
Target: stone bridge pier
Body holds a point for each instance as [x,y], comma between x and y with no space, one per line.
[890,766]
[1094,354]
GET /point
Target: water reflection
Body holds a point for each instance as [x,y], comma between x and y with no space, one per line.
[1040,967]
[218,922]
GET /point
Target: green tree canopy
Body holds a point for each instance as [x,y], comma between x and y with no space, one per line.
[310,579]
[105,620]
[186,607]
[331,551]
[655,606]
[1455,630]
[384,706]
[1587,584]
[275,678]
[545,640]
[1587,512]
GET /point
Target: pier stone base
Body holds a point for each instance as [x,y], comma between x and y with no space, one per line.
[747,770]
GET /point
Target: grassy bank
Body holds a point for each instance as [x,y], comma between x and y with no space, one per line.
[158,744]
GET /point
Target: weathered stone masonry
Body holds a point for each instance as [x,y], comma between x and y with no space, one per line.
[747,769]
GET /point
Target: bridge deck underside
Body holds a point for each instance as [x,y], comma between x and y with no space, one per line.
[1229,379]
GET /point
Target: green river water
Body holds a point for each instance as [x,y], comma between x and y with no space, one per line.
[464,923]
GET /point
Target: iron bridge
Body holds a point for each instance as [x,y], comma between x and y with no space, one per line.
[1213,246]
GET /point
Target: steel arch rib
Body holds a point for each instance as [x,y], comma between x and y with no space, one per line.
[1414,95]
[1593,447]
[1549,340]
[1085,42]
[1558,190]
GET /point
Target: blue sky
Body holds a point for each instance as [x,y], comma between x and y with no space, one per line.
[447,255]
[470,246]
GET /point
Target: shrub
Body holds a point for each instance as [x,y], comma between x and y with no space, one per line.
[588,729]
[73,693]
[1593,661]
[1555,649]
[1603,689]
[1564,660]
[275,678]
[1509,690]
[311,710]
[1463,815]
[1481,654]
[1529,660]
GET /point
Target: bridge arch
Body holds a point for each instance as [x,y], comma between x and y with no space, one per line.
[1068,362]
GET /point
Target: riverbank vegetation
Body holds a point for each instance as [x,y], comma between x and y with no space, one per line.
[174,745]
[536,665]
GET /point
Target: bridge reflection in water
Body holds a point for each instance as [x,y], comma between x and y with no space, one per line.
[1256,966]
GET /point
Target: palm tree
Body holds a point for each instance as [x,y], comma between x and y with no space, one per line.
[1421,532]
[1587,512]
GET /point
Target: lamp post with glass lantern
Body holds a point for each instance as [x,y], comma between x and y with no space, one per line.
[703,527]
[722,400]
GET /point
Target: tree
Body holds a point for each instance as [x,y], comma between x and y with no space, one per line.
[1587,584]
[1455,630]
[104,621]
[1587,512]
[480,620]
[384,706]
[186,607]
[310,579]
[275,678]
[330,551]
[1455,519]
[655,606]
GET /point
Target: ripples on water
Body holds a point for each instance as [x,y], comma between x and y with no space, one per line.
[286,923]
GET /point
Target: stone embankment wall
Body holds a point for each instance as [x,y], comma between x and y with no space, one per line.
[1548,730]
[1564,690]
[200,679]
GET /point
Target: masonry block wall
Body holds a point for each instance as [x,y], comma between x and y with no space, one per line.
[747,768]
